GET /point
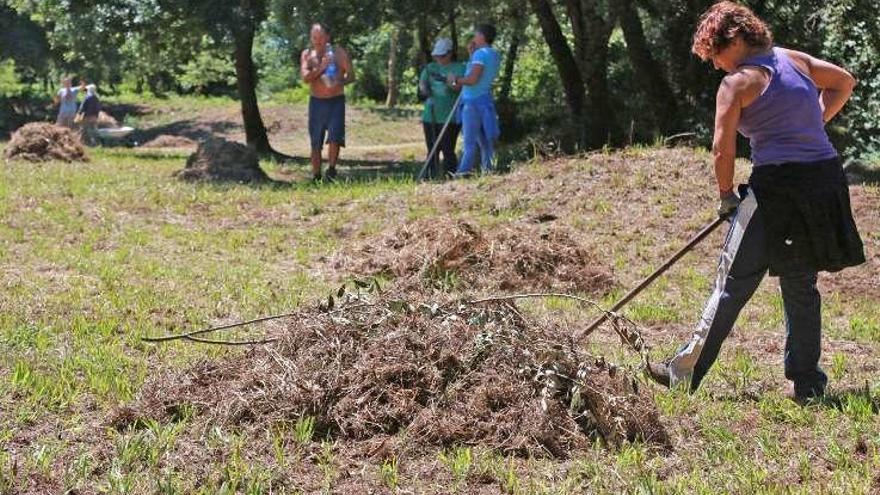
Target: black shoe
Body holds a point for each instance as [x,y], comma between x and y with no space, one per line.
[463,175]
[659,372]
[330,176]
[317,179]
[804,396]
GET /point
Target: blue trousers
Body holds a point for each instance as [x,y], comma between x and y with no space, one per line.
[475,141]
[742,266]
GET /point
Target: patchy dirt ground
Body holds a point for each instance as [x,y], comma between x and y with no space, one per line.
[378,135]
[863,280]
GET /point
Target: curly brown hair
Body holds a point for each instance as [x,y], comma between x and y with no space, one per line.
[723,23]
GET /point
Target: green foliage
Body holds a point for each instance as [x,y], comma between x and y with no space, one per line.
[389,473]
[459,460]
[297,94]
[23,41]
[9,84]
[304,430]
[852,39]
[276,57]
[370,63]
[210,71]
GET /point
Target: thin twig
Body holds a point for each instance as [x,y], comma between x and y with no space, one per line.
[613,317]
[268,340]
[189,335]
[542,295]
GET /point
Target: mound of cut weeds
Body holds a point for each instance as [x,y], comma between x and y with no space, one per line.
[169,141]
[106,121]
[220,160]
[432,373]
[41,141]
[518,255]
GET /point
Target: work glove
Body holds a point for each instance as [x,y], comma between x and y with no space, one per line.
[728,205]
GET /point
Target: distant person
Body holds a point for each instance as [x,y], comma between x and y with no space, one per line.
[327,69]
[439,99]
[479,120]
[89,110]
[66,99]
[794,217]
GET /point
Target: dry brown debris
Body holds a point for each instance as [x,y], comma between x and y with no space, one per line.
[106,121]
[517,255]
[220,160]
[169,141]
[40,141]
[446,374]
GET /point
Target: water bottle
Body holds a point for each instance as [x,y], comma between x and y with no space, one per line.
[329,76]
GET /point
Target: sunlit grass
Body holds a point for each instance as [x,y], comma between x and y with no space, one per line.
[93,256]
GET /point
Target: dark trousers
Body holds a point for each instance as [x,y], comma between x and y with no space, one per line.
[446,148]
[744,263]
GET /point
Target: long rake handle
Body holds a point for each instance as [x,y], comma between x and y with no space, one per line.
[424,169]
[647,281]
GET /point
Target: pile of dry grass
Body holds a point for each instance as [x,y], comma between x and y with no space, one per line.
[40,141]
[106,121]
[220,160]
[512,256]
[445,374]
[169,141]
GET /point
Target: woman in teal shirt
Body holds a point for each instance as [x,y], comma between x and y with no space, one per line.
[439,100]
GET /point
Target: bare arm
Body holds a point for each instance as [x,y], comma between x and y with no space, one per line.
[835,83]
[310,75]
[737,91]
[345,66]
[472,78]
[728,109]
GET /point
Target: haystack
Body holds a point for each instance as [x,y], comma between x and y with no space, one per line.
[169,141]
[516,255]
[220,160]
[106,121]
[437,373]
[41,141]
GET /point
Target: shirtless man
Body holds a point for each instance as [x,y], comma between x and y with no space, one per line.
[327,100]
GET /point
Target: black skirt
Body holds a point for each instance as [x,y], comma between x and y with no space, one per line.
[808,219]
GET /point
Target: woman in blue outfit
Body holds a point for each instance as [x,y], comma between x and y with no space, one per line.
[479,122]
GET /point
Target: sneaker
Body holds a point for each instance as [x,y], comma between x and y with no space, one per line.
[330,176]
[659,372]
[316,179]
[462,175]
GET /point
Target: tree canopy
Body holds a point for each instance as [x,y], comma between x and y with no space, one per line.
[621,69]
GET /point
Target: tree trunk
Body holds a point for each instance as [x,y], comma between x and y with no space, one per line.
[453,33]
[594,65]
[649,72]
[246,80]
[691,75]
[509,64]
[424,55]
[574,10]
[572,82]
[393,83]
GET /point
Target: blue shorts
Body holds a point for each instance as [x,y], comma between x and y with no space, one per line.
[327,118]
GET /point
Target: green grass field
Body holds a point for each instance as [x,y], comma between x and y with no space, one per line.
[94,256]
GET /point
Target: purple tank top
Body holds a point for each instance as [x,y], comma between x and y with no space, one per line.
[784,124]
